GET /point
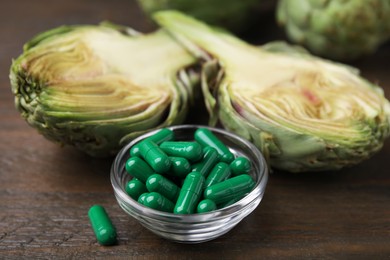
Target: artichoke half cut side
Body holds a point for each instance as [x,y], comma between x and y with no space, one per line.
[97,87]
[303,112]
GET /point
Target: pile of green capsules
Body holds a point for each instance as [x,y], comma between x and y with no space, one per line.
[186,177]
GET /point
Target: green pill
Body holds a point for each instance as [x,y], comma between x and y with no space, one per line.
[210,158]
[157,201]
[206,138]
[154,156]
[190,194]
[206,206]
[138,168]
[241,195]
[102,226]
[190,150]
[232,201]
[229,189]
[164,186]
[180,167]
[220,172]
[228,203]
[240,165]
[164,134]
[134,188]
[141,198]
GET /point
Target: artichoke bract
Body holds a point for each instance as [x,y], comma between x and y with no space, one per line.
[336,29]
[304,113]
[232,15]
[97,87]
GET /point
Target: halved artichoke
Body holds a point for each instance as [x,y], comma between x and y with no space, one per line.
[97,87]
[303,112]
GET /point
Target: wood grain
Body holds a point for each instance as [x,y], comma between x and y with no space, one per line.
[46,190]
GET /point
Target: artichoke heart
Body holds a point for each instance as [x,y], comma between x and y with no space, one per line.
[304,113]
[96,87]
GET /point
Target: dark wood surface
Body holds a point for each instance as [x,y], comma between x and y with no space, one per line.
[46,190]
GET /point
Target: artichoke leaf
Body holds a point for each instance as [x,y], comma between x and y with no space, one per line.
[233,15]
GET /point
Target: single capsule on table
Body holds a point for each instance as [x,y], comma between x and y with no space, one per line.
[190,194]
[240,165]
[164,186]
[138,168]
[206,138]
[134,188]
[210,158]
[154,156]
[164,134]
[157,201]
[220,172]
[206,206]
[192,151]
[102,226]
[229,189]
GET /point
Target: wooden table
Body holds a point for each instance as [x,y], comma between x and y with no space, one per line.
[46,190]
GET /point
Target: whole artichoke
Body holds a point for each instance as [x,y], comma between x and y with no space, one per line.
[97,87]
[304,113]
[336,29]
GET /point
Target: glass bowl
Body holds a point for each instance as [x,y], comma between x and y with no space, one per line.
[199,227]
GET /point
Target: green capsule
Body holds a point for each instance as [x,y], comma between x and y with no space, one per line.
[102,226]
[238,196]
[164,134]
[240,165]
[141,198]
[229,189]
[134,188]
[231,202]
[180,167]
[138,168]
[206,206]
[220,172]
[210,158]
[157,201]
[154,156]
[190,194]
[164,186]
[192,151]
[206,138]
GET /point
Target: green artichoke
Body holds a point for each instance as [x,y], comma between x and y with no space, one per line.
[97,87]
[336,29]
[229,14]
[304,113]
